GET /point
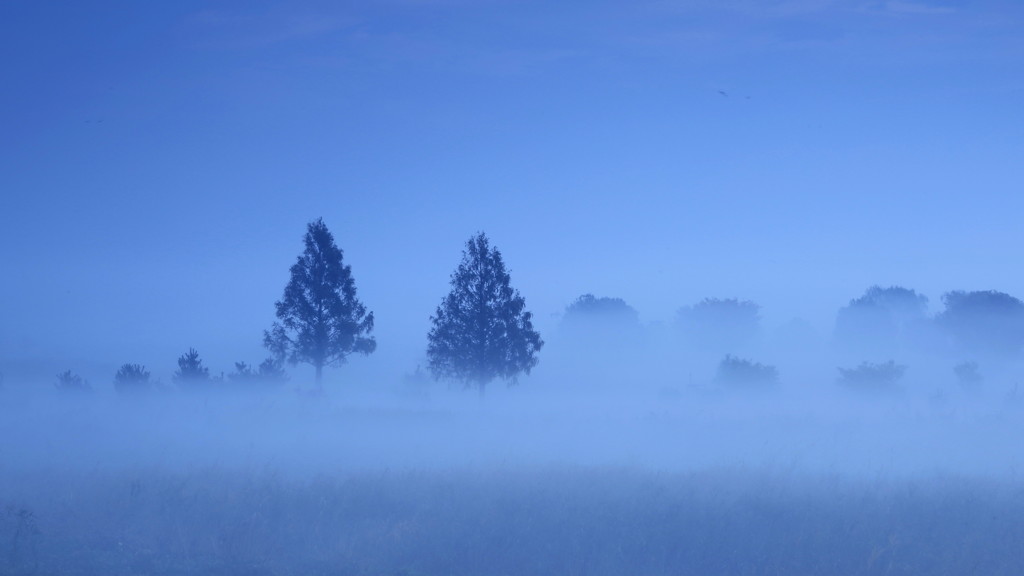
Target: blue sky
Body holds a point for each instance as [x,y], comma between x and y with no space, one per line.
[160,160]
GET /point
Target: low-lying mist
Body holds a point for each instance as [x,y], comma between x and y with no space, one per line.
[543,478]
[812,427]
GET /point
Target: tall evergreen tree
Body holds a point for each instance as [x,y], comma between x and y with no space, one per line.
[481,330]
[320,320]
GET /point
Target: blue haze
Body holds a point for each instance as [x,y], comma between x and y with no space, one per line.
[159,161]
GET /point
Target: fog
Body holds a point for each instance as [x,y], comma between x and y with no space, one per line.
[641,413]
[771,249]
[707,444]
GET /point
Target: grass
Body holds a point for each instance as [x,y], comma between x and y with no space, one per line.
[543,520]
[516,484]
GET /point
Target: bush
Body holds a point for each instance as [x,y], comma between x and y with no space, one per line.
[735,371]
[191,373]
[269,372]
[132,379]
[967,374]
[870,376]
[68,381]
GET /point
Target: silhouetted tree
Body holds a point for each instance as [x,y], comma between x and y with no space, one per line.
[191,373]
[132,379]
[269,372]
[68,381]
[589,312]
[720,325]
[599,340]
[481,330]
[883,319]
[321,321]
[984,322]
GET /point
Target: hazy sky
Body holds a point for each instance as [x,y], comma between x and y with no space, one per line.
[159,161]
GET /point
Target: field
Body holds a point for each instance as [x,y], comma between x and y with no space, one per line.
[506,486]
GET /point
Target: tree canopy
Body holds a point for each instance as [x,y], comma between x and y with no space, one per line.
[132,379]
[268,373]
[191,373]
[984,322]
[320,320]
[482,330]
[883,319]
[720,325]
[589,311]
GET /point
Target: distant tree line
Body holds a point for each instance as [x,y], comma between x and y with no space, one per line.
[482,331]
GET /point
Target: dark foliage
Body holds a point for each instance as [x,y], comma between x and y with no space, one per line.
[883,319]
[968,374]
[985,323]
[320,320]
[598,330]
[270,372]
[870,376]
[132,379]
[481,330]
[733,371]
[589,310]
[718,325]
[70,382]
[191,373]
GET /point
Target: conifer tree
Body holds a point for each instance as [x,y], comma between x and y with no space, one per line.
[132,379]
[481,330]
[320,319]
[191,372]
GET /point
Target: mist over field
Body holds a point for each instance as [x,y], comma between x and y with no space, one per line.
[709,445]
[823,432]
[511,287]
[419,478]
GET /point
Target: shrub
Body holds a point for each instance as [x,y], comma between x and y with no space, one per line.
[68,381]
[870,376]
[269,372]
[191,373]
[132,379]
[735,371]
[967,374]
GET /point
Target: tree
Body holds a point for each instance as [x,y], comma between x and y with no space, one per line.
[191,372]
[320,319]
[739,372]
[481,330]
[869,376]
[599,340]
[69,382]
[589,312]
[882,319]
[132,379]
[984,323]
[269,372]
[720,325]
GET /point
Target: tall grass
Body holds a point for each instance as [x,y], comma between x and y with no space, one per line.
[542,520]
